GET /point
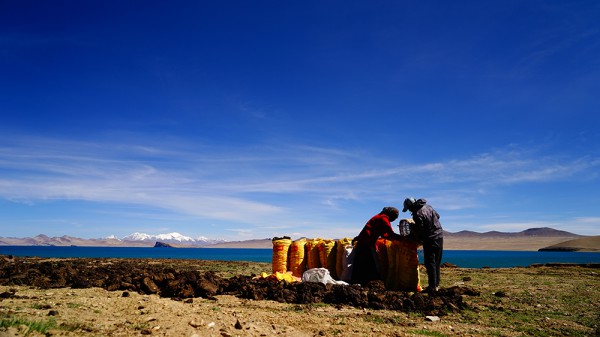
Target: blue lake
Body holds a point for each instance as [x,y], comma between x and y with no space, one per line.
[462,258]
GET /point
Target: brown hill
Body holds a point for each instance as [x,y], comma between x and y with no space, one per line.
[531,239]
[531,232]
[587,244]
[259,243]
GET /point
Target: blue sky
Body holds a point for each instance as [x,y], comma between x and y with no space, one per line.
[245,119]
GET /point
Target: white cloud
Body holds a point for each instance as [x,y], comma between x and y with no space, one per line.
[253,185]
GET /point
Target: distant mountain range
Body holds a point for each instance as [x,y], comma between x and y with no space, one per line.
[175,239]
[532,232]
[131,240]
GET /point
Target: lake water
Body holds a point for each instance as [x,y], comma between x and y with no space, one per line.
[461,258]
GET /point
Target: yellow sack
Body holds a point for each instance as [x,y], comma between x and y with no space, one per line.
[312,253]
[403,264]
[280,254]
[297,257]
[340,253]
[327,256]
[280,277]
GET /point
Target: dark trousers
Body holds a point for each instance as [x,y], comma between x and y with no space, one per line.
[432,251]
[365,267]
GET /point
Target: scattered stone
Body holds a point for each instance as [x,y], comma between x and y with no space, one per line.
[53,313]
[500,294]
[467,278]
[432,318]
[195,324]
[125,294]
[238,325]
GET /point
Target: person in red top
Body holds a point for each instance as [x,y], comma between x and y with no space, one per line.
[365,267]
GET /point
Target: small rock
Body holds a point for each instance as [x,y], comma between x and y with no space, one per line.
[238,325]
[432,318]
[53,313]
[467,278]
[500,294]
[125,294]
[195,324]
[210,325]
[189,300]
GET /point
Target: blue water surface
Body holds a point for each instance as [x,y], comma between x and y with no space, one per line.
[461,258]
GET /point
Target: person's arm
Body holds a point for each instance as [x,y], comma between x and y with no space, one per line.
[389,232]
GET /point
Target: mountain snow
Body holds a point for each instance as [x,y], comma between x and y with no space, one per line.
[169,238]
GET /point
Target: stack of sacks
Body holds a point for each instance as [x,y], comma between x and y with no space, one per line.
[398,260]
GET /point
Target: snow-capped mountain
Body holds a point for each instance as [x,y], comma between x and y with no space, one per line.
[170,238]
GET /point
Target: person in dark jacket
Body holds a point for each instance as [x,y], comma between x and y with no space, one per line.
[428,231]
[365,267]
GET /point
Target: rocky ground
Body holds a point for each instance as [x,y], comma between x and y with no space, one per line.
[125,297]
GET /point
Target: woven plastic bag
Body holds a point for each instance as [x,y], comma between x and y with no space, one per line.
[297,257]
[280,254]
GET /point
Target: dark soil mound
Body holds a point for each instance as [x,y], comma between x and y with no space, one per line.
[181,280]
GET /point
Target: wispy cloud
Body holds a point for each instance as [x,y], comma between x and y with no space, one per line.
[249,185]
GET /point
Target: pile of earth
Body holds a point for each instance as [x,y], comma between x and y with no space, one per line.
[184,282]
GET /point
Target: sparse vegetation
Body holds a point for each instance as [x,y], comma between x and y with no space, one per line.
[541,301]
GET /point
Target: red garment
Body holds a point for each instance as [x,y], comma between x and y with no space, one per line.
[377,226]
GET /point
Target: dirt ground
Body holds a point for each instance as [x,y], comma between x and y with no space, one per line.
[129,297]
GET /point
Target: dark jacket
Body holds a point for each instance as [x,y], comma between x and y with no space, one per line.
[427,221]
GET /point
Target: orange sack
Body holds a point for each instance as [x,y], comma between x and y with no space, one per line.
[327,256]
[297,257]
[281,247]
[312,253]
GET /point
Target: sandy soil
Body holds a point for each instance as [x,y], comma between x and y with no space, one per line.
[542,301]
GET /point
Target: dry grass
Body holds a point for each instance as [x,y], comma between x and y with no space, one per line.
[542,301]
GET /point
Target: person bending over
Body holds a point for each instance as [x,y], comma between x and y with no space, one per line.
[365,266]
